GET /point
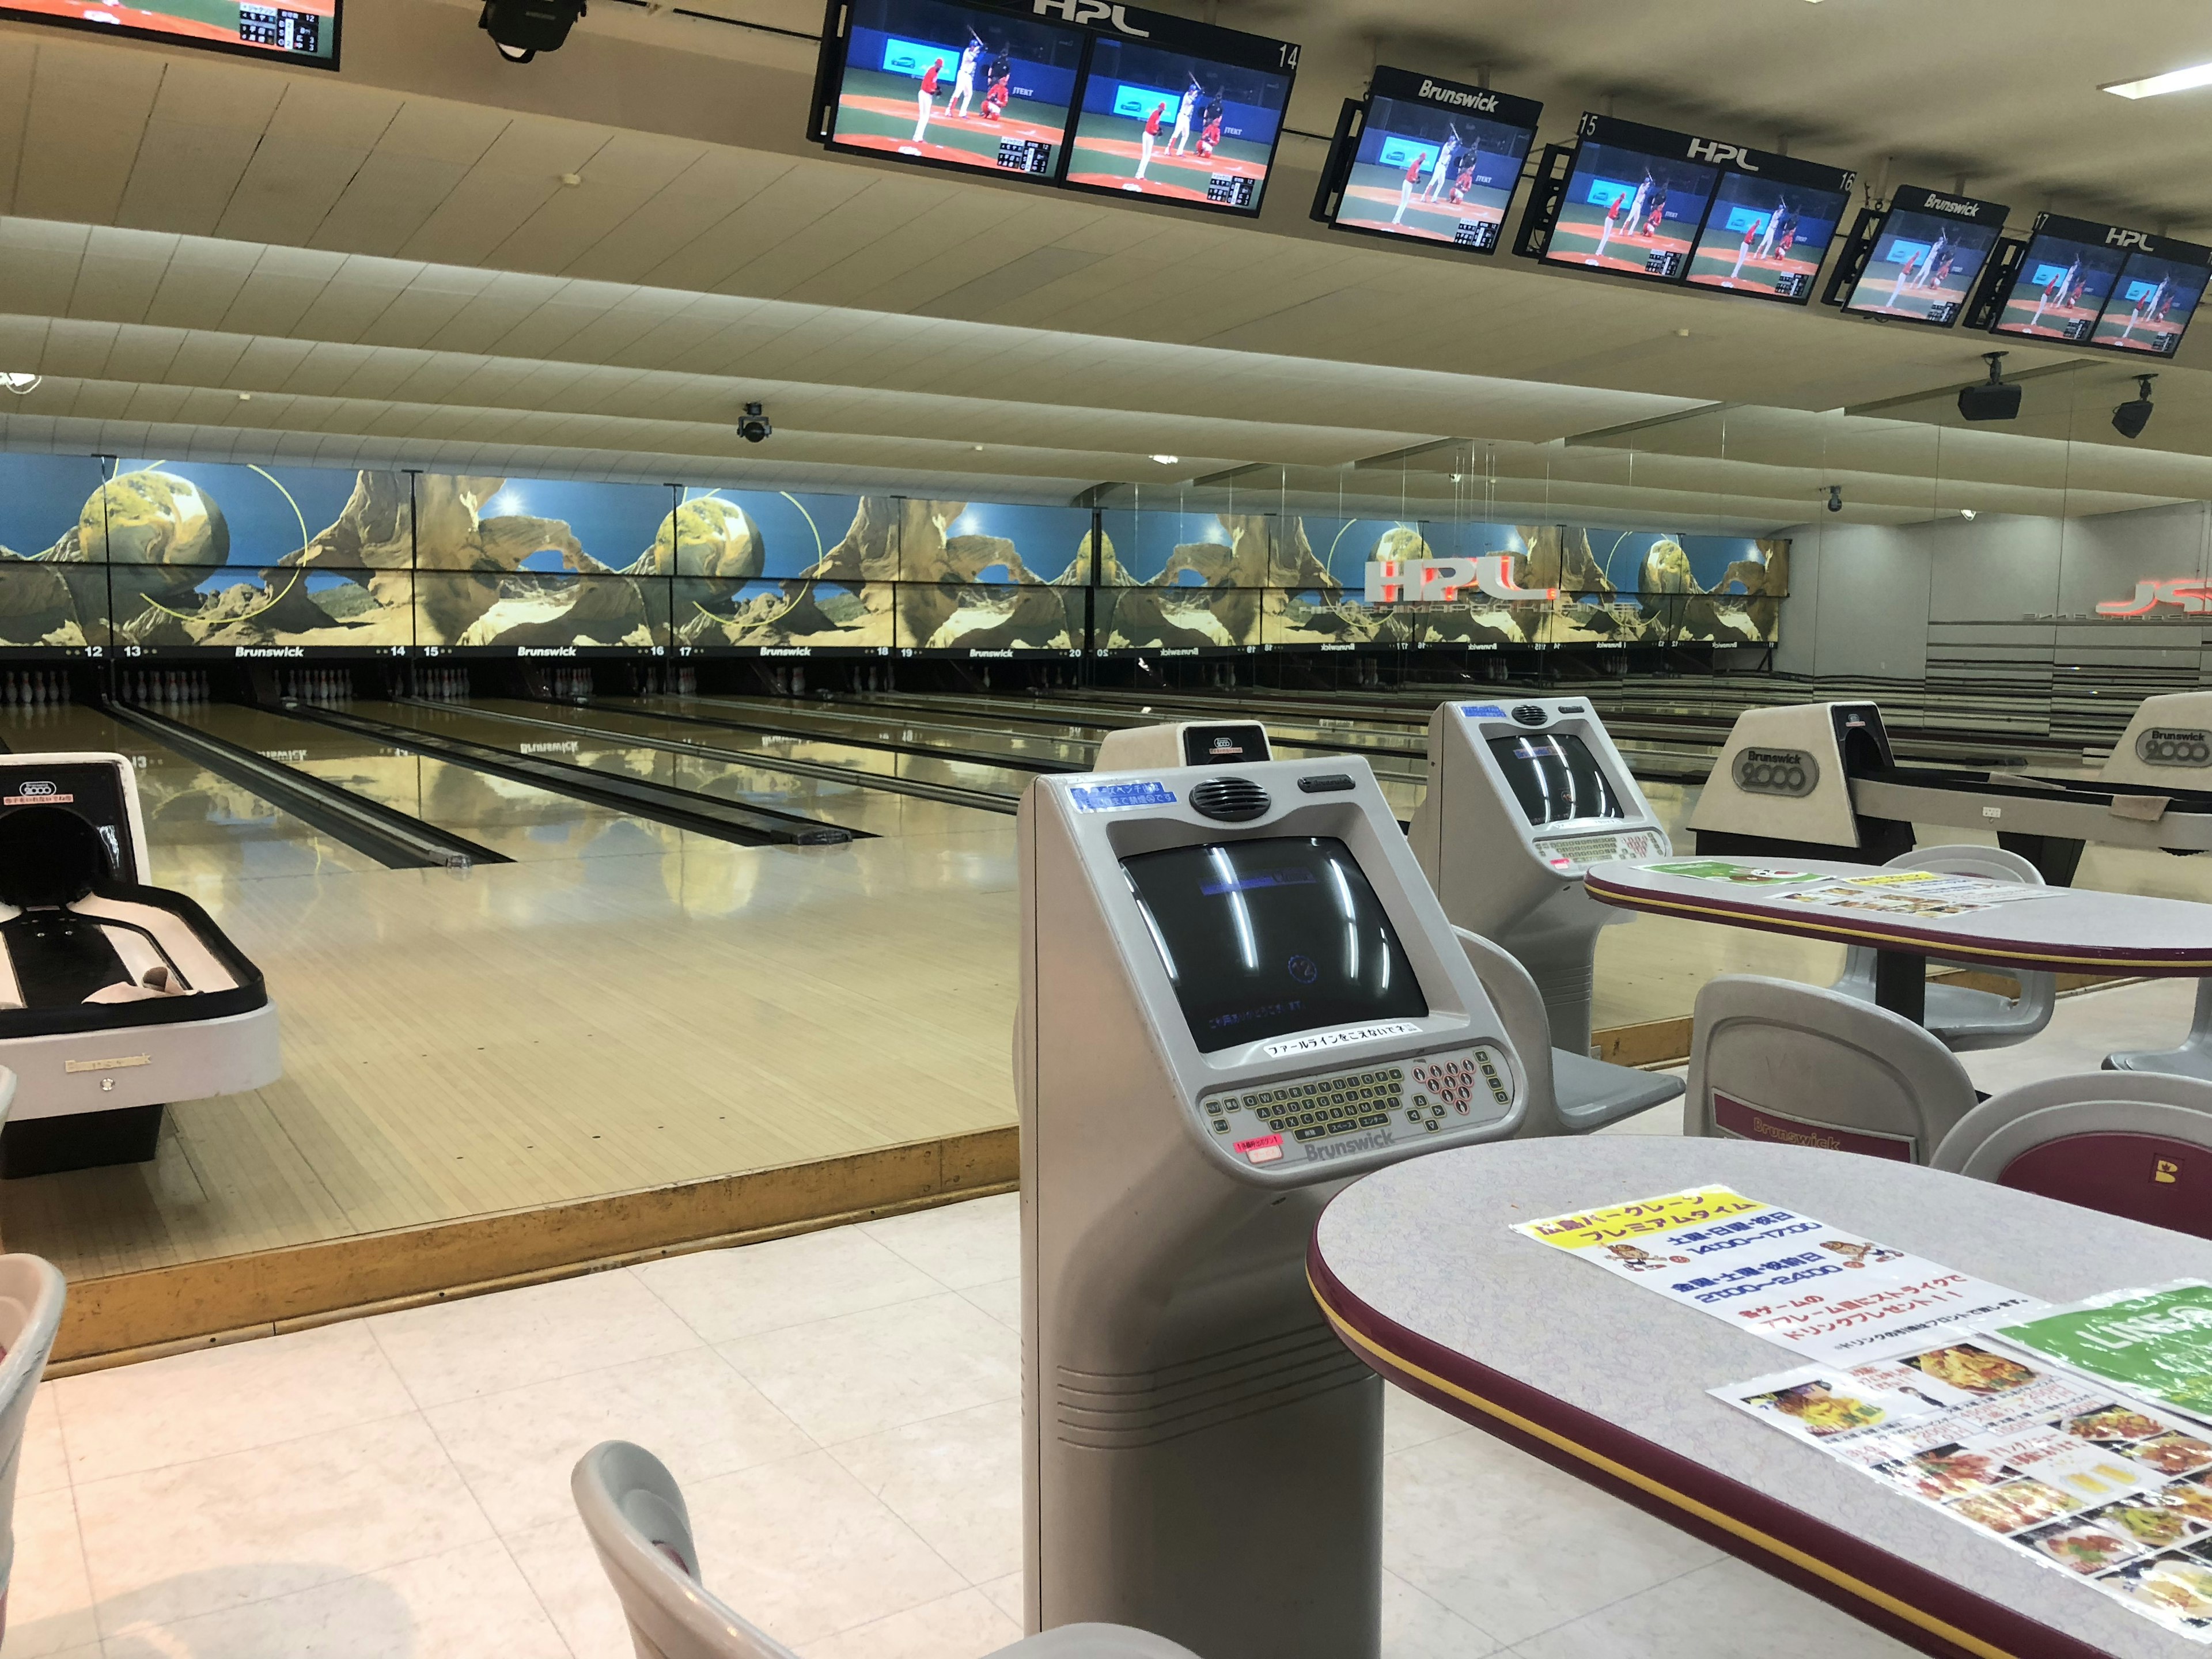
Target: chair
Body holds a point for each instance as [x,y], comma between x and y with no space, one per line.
[1568,1094]
[2137,1144]
[2193,1059]
[1957,1015]
[1771,1059]
[31,1297]
[634,1513]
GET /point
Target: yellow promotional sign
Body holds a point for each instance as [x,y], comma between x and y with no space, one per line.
[1587,1229]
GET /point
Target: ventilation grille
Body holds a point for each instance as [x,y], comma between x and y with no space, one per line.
[1233,800]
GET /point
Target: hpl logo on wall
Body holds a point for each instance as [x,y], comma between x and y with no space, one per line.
[2193,594]
[1439,581]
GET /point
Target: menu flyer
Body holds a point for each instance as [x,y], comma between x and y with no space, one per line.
[1743,875]
[2156,1344]
[2089,1483]
[1817,1290]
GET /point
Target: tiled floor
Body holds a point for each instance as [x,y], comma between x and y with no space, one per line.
[842,1409]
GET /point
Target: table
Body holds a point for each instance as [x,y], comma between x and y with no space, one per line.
[2068,930]
[1417,1268]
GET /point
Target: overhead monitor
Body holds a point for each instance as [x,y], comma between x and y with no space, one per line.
[2064,279]
[304,32]
[1768,229]
[1276,934]
[1428,160]
[1922,257]
[1635,199]
[1182,112]
[948,84]
[2157,293]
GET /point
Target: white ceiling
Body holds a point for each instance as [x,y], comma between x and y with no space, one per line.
[389,265]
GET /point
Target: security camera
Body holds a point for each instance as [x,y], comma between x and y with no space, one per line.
[755,429]
[2131,418]
[1835,498]
[523,28]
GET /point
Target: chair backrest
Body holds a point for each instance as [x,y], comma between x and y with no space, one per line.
[1772,1060]
[2133,1144]
[634,1513]
[1520,1005]
[1958,858]
[31,1297]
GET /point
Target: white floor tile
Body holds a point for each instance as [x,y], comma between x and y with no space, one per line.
[1006,1596]
[488,1344]
[962,1626]
[725,1294]
[956,1479]
[562,1568]
[958,1245]
[175,1542]
[469,1603]
[169,1411]
[1001,1299]
[801,1549]
[1514,1545]
[1418,1626]
[1409,1420]
[49,1592]
[1727,1610]
[45,1466]
[691,1409]
[840,1379]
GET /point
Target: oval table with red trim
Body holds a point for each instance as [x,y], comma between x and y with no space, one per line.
[2061,929]
[1418,1268]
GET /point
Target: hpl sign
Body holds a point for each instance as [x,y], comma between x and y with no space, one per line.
[1440,581]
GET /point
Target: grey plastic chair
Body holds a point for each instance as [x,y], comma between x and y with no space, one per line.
[1568,1094]
[2137,1144]
[1960,1017]
[1771,1059]
[2193,1059]
[31,1297]
[634,1513]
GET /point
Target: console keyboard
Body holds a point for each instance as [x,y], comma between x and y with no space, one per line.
[1325,1117]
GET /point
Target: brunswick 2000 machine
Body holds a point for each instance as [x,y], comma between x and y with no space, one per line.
[1238,994]
[1522,798]
[1818,778]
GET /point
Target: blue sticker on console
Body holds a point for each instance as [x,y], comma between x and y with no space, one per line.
[1120,797]
[1482,711]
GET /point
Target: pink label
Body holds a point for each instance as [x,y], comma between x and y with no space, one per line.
[1757,1124]
[1266,1149]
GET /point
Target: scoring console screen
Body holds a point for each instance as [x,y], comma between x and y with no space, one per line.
[1282,934]
[1556,779]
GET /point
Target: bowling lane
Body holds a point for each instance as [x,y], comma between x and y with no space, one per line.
[201,830]
[856,806]
[984,729]
[523,822]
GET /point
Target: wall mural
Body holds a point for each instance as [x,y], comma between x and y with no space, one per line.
[150,555]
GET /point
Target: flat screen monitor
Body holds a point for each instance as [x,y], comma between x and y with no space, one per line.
[1191,115]
[1634,201]
[2064,279]
[1767,232]
[1556,778]
[2153,301]
[293,31]
[1278,935]
[1433,162]
[1926,255]
[954,86]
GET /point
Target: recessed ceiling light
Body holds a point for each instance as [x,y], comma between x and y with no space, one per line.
[22,385]
[1967,513]
[1167,460]
[2180,80]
